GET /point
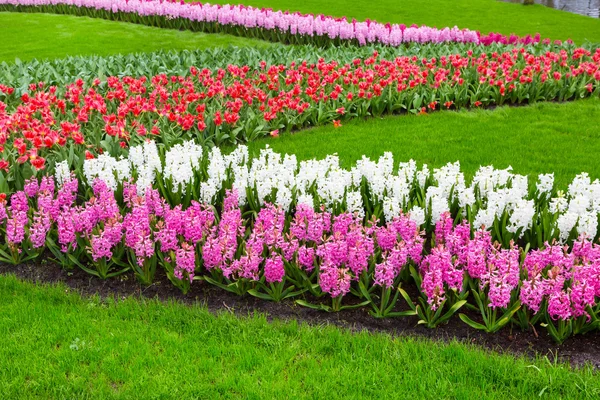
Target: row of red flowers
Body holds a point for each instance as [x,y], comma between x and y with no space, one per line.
[237,104]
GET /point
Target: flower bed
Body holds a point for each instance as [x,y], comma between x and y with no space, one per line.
[238,104]
[277,26]
[62,71]
[80,179]
[279,252]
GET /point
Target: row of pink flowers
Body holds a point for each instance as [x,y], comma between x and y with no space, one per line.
[294,23]
[341,249]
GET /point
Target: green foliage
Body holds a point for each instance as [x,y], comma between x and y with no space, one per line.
[492,322]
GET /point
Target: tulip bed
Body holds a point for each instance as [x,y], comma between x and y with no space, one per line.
[240,104]
[115,166]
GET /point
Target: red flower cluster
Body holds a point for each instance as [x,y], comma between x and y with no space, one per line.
[237,103]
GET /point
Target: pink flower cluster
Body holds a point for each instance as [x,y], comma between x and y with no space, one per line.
[335,250]
[288,22]
[399,241]
[457,257]
[342,246]
[568,281]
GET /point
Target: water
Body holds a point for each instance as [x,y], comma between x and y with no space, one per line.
[591,8]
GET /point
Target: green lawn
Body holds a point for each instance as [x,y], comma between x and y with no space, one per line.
[483,15]
[543,138]
[41,36]
[59,345]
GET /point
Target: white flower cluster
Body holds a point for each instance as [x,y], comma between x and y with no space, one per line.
[146,162]
[180,163]
[107,168]
[580,210]
[493,194]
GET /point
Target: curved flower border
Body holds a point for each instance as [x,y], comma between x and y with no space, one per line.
[280,26]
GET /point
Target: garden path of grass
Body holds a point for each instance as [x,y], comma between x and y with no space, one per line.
[542,138]
[42,36]
[57,344]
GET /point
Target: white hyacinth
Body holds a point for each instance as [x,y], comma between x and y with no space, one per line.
[147,163]
[181,162]
[521,217]
[108,169]
[354,203]
[417,214]
[62,172]
[545,183]
[306,199]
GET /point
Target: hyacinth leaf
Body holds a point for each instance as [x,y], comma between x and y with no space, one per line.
[408,300]
[506,317]
[451,311]
[481,306]
[353,306]
[289,292]
[60,256]
[260,295]
[5,257]
[392,303]
[471,323]
[91,271]
[409,313]
[366,294]
[322,307]
[416,277]
[231,287]
[558,335]
[585,326]
[75,261]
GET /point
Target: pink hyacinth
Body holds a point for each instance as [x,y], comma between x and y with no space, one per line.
[185,261]
[31,187]
[274,269]
[567,280]
[306,257]
[334,281]
[103,244]
[309,225]
[241,16]
[502,276]
[17,218]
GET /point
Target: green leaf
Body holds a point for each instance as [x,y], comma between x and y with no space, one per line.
[451,311]
[472,323]
[313,306]
[407,299]
[260,295]
[409,313]
[353,306]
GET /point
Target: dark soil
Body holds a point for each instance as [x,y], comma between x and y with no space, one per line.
[578,351]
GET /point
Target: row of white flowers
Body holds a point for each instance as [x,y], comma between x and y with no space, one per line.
[492,194]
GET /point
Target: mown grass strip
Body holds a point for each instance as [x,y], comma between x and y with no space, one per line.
[41,36]
[59,345]
[542,138]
